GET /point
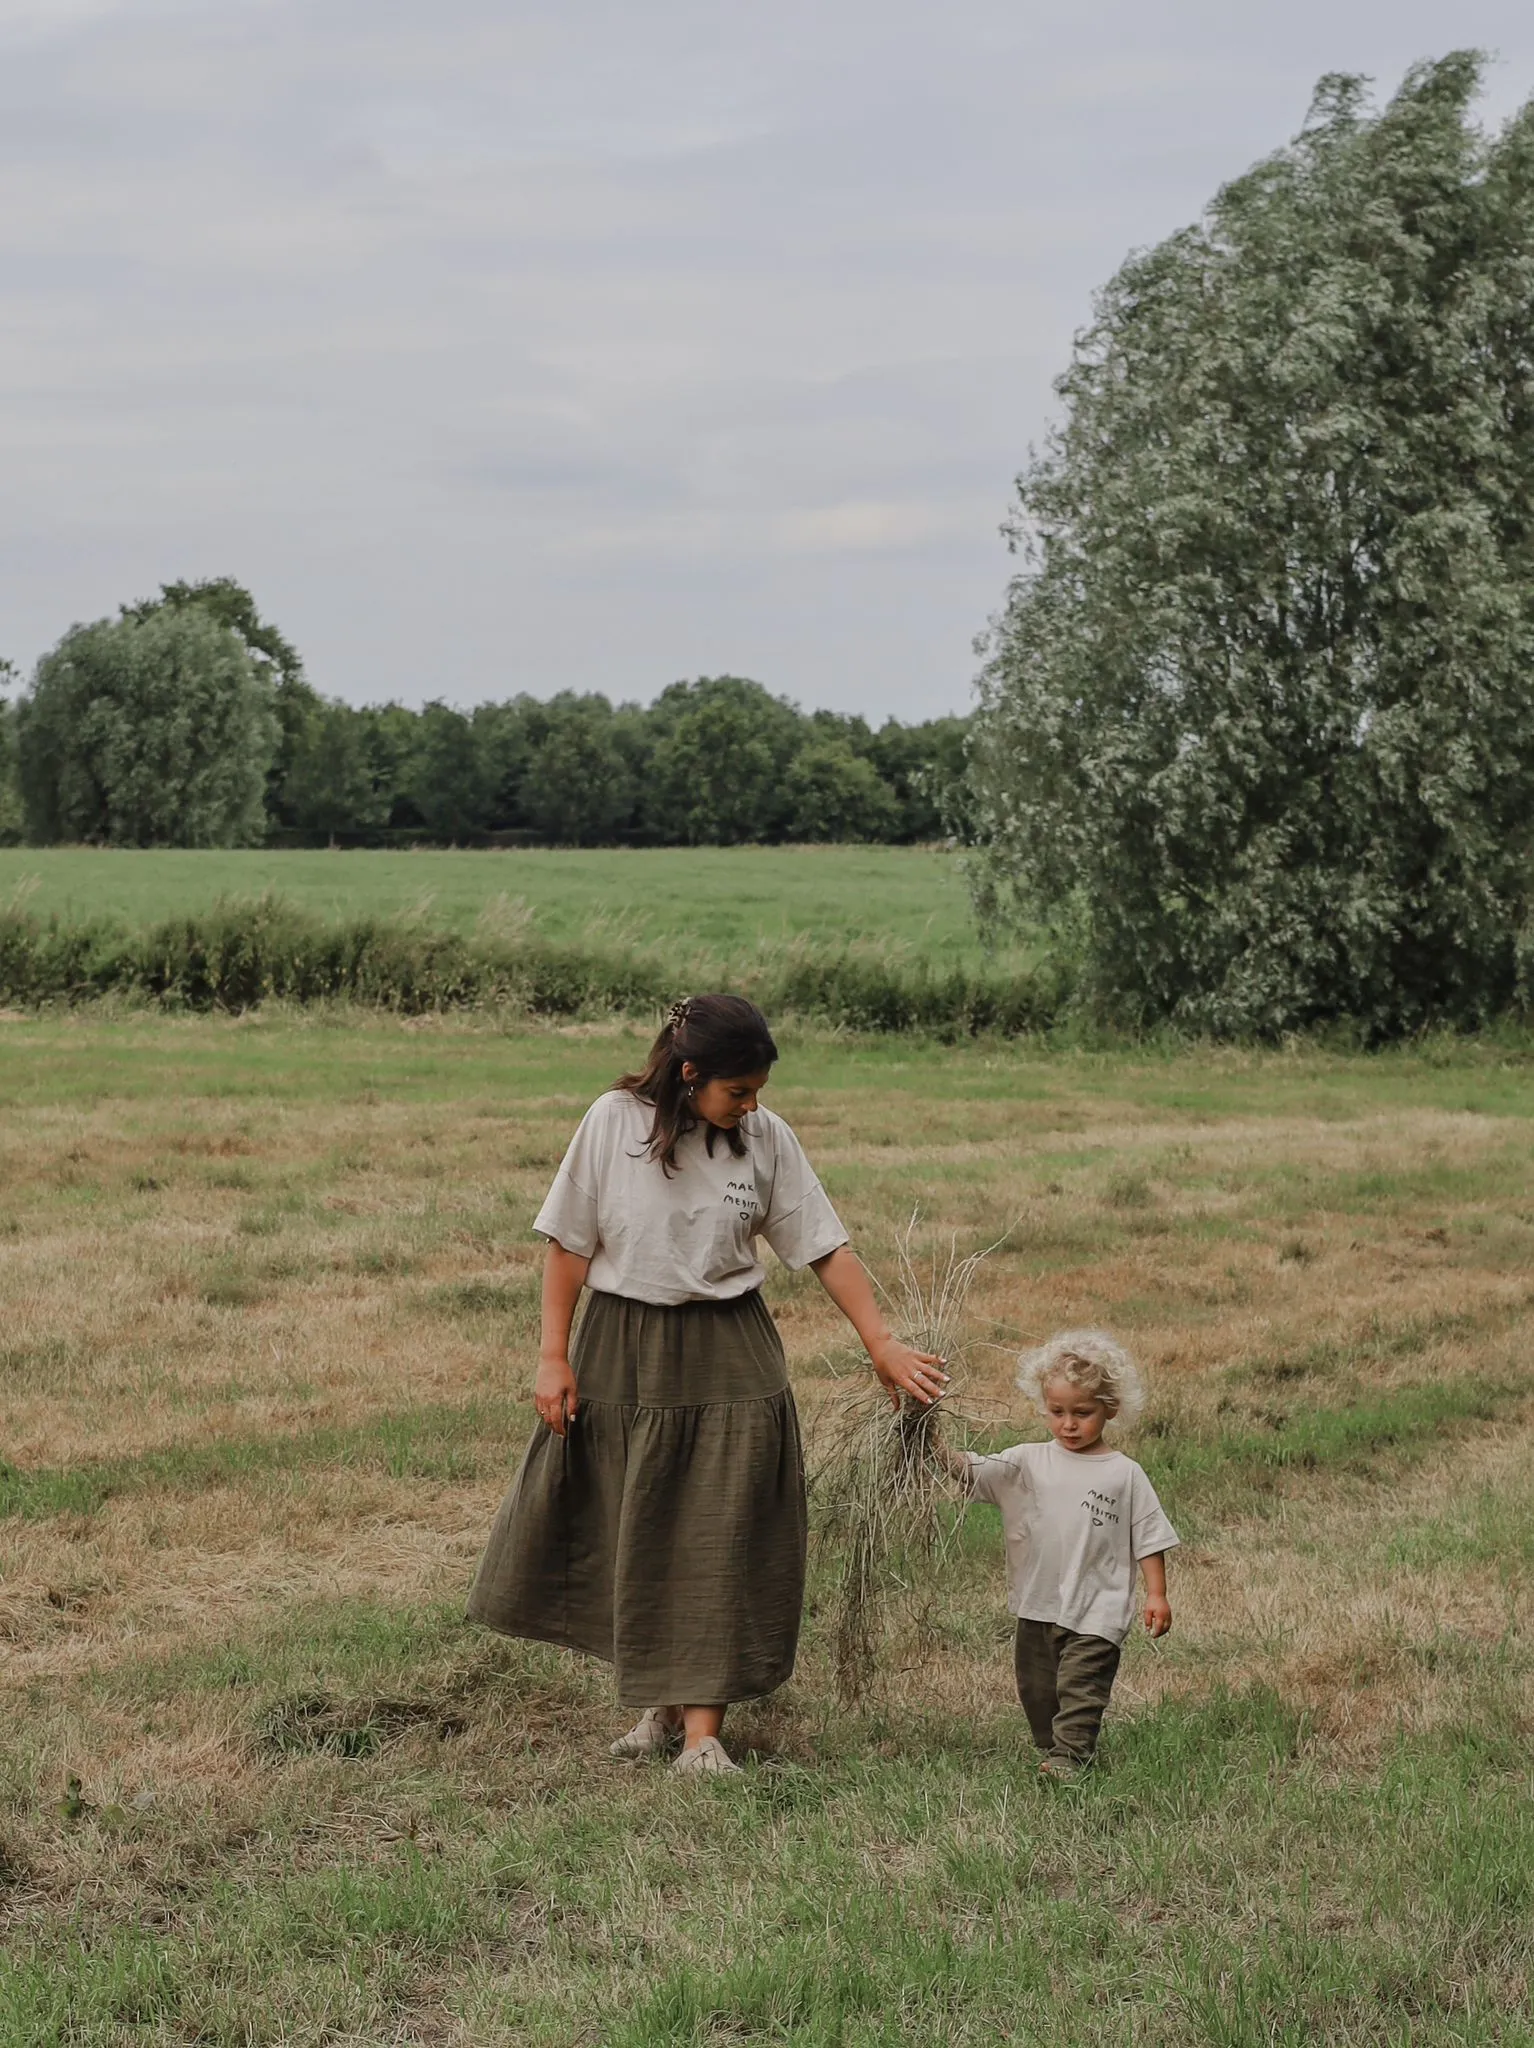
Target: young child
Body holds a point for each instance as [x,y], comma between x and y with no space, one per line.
[1078,1517]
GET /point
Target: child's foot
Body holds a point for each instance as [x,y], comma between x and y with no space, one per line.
[651,1735]
[704,1758]
[1064,1770]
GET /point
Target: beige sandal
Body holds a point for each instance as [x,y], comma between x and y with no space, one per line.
[705,1758]
[651,1735]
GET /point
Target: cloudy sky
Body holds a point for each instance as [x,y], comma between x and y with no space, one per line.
[543,344]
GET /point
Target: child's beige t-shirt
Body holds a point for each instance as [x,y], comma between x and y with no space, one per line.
[1077,1523]
[689,1235]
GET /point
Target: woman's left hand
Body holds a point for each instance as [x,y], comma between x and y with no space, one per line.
[904,1371]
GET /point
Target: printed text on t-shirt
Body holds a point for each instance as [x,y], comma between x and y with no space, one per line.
[1101,1507]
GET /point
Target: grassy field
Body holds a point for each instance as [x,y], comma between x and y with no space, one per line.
[269,1297]
[713,899]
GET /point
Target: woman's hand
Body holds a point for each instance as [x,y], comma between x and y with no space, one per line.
[904,1371]
[901,1370]
[554,1394]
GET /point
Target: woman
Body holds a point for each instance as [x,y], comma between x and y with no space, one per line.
[658,1519]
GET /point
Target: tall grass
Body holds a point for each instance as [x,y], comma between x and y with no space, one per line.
[237,955]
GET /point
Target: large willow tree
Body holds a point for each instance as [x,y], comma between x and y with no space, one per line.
[155,729]
[1257,724]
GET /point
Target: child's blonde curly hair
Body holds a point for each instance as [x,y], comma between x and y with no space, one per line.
[1091,1360]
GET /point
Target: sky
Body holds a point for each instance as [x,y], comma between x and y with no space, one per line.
[506,345]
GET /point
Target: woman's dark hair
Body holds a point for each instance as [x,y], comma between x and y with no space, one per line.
[722,1036]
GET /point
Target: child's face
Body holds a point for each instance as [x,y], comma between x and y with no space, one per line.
[1075,1418]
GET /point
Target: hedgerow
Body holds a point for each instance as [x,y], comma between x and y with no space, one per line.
[236,956]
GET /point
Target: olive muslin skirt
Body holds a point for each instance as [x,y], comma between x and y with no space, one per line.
[665,1532]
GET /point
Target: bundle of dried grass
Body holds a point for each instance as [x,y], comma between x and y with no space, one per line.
[881,1486]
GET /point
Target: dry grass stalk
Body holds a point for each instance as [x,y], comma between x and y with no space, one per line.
[881,1485]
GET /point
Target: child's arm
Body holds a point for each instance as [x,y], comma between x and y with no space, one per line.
[1158,1609]
[954,1463]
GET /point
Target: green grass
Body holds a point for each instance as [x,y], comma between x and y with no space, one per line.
[442,1443]
[714,900]
[883,1086]
[1205,1465]
[1489,1527]
[1218,1884]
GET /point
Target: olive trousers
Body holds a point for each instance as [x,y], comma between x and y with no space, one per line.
[1064,1680]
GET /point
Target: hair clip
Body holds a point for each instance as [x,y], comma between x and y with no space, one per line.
[678,1014]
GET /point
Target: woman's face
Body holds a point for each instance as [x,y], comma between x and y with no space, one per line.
[724,1100]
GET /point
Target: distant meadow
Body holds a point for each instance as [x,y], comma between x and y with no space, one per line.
[869,938]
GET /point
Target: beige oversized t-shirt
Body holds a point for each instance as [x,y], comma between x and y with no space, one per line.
[690,1235]
[1076,1523]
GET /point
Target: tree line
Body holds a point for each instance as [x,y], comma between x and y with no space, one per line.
[188,721]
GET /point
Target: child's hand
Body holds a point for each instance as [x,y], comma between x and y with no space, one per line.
[954,1463]
[1158,1614]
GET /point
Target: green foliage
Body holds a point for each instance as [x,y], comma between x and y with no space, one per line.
[1256,729]
[152,730]
[927,769]
[722,753]
[238,955]
[274,658]
[835,794]
[329,783]
[715,762]
[447,781]
[389,746]
[566,768]
[229,604]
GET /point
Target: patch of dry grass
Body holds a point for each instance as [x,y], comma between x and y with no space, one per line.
[287,1236]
